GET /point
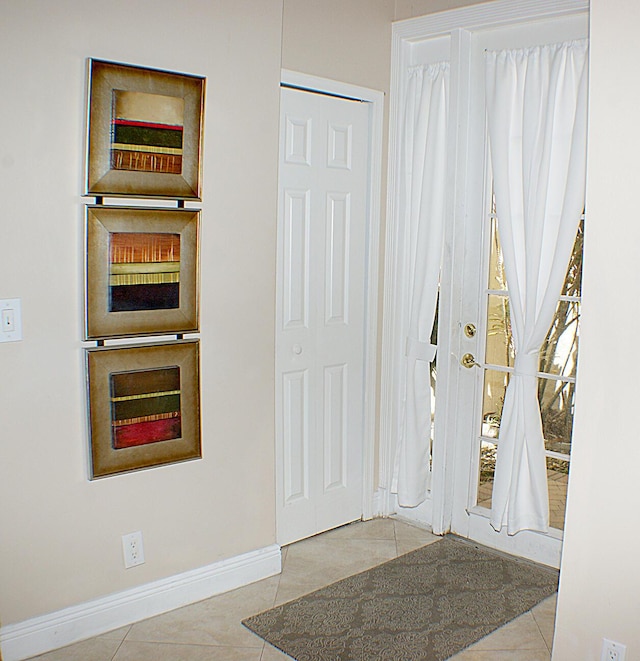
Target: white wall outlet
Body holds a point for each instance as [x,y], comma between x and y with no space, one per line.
[612,651]
[132,549]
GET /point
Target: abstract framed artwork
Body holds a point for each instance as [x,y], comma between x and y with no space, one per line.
[144,132]
[142,271]
[144,406]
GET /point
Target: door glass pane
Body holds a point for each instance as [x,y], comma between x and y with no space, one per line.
[499,350]
[497,276]
[558,354]
[559,351]
[558,357]
[556,407]
[573,281]
[432,381]
[487,473]
[557,478]
[495,386]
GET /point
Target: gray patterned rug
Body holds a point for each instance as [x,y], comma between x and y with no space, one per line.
[424,606]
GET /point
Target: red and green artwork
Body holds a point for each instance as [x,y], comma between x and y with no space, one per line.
[144,271]
[146,132]
[145,407]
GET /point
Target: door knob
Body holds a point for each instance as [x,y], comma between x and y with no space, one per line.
[297,349]
[470,330]
[469,361]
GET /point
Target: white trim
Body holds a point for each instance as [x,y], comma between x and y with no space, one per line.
[485,15]
[390,386]
[329,86]
[76,623]
[376,114]
[546,550]
[378,499]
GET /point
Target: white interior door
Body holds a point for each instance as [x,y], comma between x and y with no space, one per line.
[320,334]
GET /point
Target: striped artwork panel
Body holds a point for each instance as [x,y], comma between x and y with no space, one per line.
[145,407]
[144,271]
[147,132]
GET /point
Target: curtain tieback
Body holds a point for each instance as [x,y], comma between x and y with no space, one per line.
[418,350]
[526,364]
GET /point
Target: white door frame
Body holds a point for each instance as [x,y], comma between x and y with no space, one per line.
[454,27]
[375,99]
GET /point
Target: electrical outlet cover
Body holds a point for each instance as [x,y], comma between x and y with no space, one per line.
[132,549]
[612,651]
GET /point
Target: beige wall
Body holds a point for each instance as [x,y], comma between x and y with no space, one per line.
[600,578]
[64,531]
[60,533]
[345,41]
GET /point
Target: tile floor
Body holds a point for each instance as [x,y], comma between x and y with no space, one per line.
[211,630]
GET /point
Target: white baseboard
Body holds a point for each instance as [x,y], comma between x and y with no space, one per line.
[69,625]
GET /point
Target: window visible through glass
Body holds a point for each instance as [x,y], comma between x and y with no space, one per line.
[558,353]
[558,359]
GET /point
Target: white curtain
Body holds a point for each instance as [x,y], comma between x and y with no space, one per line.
[422,185]
[537,112]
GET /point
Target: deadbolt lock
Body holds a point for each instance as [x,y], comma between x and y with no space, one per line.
[470,330]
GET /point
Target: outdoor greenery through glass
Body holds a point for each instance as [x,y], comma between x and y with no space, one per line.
[558,359]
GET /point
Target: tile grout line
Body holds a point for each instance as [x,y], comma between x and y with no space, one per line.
[535,619]
[115,654]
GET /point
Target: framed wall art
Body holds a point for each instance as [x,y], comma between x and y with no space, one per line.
[142,271]
[144,132]
[144,406]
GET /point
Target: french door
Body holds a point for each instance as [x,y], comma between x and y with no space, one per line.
[475,351]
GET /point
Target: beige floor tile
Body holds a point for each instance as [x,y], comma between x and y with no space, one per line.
[502,655]
[409,538]
[270,653]
[216,621]
[408,531]
[134,651]
[545,616]
[406,547]
[314,563]
[519,634]
[95,649]
[375,529]
[117,634]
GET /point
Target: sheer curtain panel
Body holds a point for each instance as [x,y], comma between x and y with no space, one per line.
[537,111]
[422,181]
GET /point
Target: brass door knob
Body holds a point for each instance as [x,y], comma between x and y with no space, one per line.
[470,330]
[469,361]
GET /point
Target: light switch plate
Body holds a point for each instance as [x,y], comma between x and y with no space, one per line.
[10,320]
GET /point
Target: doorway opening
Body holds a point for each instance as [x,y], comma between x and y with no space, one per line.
[326,307]
[475,357]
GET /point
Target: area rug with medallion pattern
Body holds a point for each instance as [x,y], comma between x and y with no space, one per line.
[426,605]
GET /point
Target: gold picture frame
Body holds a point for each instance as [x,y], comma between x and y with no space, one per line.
[144,132]
[143,406]
[142,271]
